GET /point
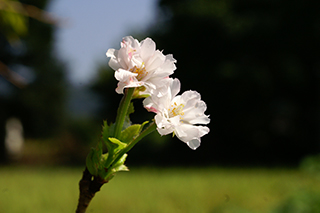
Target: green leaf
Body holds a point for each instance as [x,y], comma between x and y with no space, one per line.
[93,159]
[120,144]
[105,131]
[89,163]
[129,133]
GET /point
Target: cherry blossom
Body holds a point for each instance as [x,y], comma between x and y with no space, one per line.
[179,114]
[138,64]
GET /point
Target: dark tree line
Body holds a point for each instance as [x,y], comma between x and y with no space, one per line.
[256,64]
[38,100]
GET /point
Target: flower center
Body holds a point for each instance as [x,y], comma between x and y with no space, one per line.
[131,52]
[176,110]
[140,71]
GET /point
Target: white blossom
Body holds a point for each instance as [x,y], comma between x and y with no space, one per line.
[179,114]
[139,64]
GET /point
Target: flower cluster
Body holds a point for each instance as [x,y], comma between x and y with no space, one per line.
[140,65]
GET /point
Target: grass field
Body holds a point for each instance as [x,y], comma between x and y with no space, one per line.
[156,190]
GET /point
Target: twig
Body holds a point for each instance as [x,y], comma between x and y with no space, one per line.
[89,185]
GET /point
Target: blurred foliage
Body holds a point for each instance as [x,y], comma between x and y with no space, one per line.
[311,164]
[302,202]
[13,24]
[170,190]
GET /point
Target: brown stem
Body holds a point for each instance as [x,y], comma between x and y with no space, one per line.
[88,186]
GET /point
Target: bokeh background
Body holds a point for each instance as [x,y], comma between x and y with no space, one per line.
[255,63]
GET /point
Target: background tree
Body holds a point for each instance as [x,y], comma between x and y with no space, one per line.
[253,63]
[256,65]
[33,81]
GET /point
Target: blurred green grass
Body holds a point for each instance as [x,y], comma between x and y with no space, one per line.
[41,189]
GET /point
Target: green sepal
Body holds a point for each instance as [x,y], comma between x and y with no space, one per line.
[138,93]
[142,125]
[119,166]
[108,131]
[93,159]
[114,146]
[108,173]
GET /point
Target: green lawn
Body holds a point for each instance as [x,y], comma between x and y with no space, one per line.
[154,190]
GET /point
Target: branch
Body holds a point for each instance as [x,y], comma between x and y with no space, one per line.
[89,185]
[12,77]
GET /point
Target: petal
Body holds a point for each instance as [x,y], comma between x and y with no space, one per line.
[120,87]
[190,95]
[124,75]
[113,62]
[123,59]
[187,132]
[167,66]
[195,114]
[155,61]
[194,144]
[150,105]
[130,42]
[111,53]
[203,130]
[164,127]
[192,132]
[147,49]
[198,120]
[175,87]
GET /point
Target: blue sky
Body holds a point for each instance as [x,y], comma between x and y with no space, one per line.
[89,28]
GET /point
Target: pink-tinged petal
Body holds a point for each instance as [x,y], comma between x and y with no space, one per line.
[120,87]
[150,105]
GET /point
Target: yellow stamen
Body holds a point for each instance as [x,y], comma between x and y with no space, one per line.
[140,71]
[176,110]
